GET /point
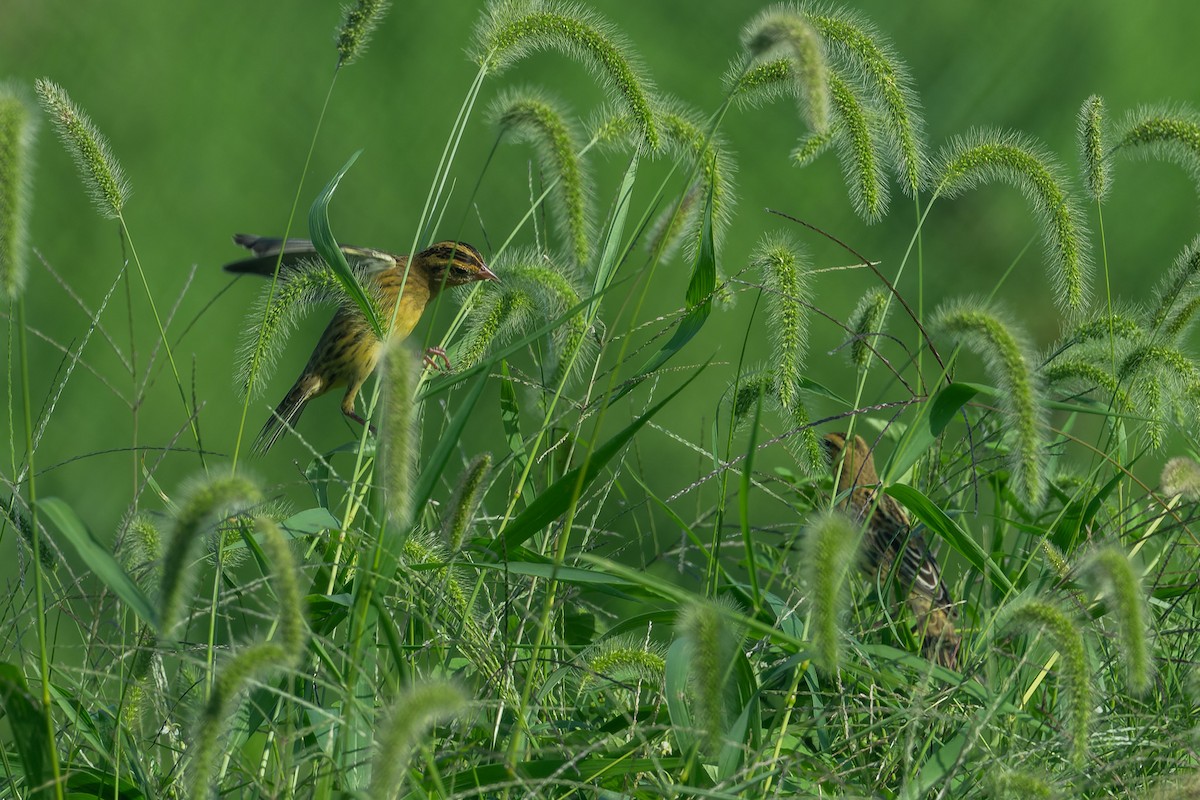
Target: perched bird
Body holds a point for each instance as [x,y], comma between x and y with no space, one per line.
[349,350]
[889,541]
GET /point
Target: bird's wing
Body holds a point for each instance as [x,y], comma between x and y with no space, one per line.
[266,251]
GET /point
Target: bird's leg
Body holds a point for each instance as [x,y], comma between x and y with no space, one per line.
[354,415]
[431,356]
[348,408]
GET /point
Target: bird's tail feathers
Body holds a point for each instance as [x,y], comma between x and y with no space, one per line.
[286,414]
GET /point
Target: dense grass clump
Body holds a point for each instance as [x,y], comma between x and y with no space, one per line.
[592,545]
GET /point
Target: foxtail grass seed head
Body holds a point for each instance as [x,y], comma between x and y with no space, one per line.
[529,115]
[811,147]
[986,156]
[1105,326]
[417,708]
[20,520]
[862,161]
[233,677]
[1162,132]
[551,288]
[1181,476]
[828,553]
[142,546]
[18,128]
[428,562]
[1012,784]
[782,263]
[1165,382]
[399,431]
[866,324]
[712,646]
[268,325]
[1010,364]
[1119,584]
[782,30]
[98,168]
[496,316]
[359,21]
[1096,167]
[1178,286]
[204,502]
[1181,321]
[862,51]
[689,136]
[806,445]
[623,661]
[292,633]
[512,29]
[1066,635]
[459,514]
[744,393]
[1088,374]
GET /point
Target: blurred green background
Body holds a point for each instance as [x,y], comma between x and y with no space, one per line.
[210,108]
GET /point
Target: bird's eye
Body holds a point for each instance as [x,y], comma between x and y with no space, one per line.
[461,272]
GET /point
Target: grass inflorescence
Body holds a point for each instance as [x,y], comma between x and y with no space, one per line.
[595,553]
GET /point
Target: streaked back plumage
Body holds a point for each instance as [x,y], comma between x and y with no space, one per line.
[891,543]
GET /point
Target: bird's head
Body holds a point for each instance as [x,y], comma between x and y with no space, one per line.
[852,457]
[453,264]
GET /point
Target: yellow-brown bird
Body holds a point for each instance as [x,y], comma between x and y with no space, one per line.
[349,350]
[890,542]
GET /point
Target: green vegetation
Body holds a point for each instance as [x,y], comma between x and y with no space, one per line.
[583,562]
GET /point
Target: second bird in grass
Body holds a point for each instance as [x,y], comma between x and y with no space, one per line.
[889,542]
[349,350]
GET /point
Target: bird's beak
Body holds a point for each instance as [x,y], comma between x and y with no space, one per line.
[486,274]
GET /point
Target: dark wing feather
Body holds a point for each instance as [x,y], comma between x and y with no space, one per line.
[266,250]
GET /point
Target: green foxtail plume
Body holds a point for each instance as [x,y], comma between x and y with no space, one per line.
[1096,169]
[512,29]
[984,156]
[529,115]
[415,710]
[858,49]
[1181,476]
[783,31]
[205,502]
[1119,584]
[712,644]
[101,173]
[1011,367]
[828,554]
[1162,132]
[459,513]
[782,264]
[866,324]
[359,22]
[1067,636]
[398,427]
[18,127]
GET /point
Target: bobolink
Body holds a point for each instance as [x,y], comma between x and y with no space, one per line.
[889,541]
[349,350]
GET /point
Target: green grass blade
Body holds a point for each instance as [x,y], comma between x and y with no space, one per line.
[941,524]
[327,246]
[98,559]
[699,303]
[28,725]
[436,463]
[558,497]
[934,417]
[612,239]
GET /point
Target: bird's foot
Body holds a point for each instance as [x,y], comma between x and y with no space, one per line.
[432,354]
